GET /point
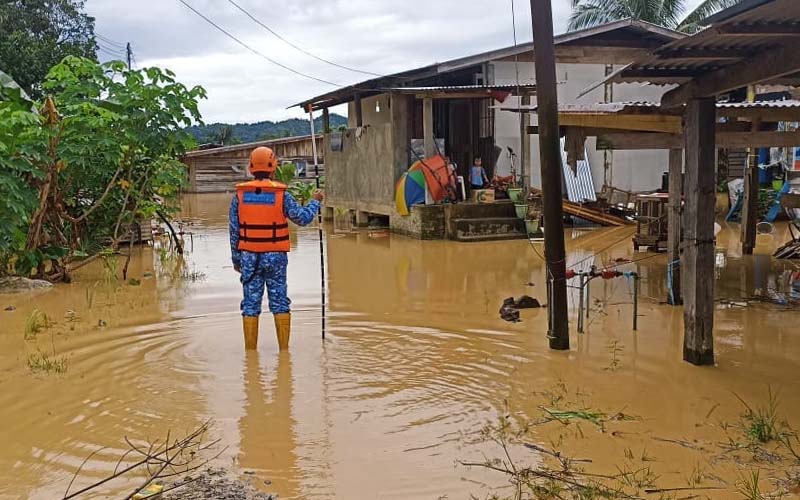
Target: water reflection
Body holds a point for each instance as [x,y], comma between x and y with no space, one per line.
[267,428]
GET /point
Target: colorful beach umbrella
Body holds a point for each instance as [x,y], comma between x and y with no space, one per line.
[410,190]
[437,175]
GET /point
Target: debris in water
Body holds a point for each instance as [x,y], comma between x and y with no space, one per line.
[508,312]
[102,323]
[134,282]
[151,491]
[10,308]
[526,302]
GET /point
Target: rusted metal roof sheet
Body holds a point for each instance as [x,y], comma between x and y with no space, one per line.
[745,31]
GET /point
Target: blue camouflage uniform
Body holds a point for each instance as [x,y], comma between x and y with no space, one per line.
[259,269]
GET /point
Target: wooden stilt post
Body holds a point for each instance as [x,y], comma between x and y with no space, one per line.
[674,226]
[359,112]
[698,232]
[427,127]
[326,121]
[525,163]
[749,209]
[550,164]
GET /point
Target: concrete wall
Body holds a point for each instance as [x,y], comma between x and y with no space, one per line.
[374,111]
[362,176]
[631,170]
[425,222]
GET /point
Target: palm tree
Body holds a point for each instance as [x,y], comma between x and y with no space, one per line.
[666,13]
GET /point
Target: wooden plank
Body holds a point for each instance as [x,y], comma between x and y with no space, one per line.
[550,165]
[702,54]
[645,140]
[594,215]
[645,123]
[760,30]
[698,233]
[526,163]
[429,135]
[767,65]
[750,202]
[674,225]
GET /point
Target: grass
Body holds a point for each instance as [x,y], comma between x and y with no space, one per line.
[41,362]
[615,348]
[36,322]
[762,424]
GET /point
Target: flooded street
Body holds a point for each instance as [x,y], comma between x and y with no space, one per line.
[416,363]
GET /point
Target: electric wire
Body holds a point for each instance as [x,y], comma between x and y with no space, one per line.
[296,47]
[109,41]
[110,49]
[254,51]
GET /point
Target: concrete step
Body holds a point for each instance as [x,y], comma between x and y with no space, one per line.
[481,210]
[487,229]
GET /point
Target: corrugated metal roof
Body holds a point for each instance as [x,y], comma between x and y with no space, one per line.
[649,107]
[752,29]
[580,185]
[459,88]
[644,30]
[249,145]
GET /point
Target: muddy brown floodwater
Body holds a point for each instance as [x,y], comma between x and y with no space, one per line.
[416,363]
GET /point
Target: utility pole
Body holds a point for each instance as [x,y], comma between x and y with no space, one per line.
[129,53]
[550,164]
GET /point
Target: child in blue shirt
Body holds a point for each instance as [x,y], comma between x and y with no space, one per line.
[477,175]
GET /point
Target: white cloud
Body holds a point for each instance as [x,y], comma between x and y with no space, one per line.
[380,36]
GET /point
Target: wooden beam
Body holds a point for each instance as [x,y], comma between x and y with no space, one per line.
[645,123]
[429,135]
[698,233]
[763,114]
[760,30]
[645,141]
[550,165]
[359,112]
[675,205]
[767,65]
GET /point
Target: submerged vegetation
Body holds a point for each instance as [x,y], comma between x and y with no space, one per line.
[549,472]
[81,167]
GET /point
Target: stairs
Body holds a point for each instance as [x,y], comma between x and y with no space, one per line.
[483,222]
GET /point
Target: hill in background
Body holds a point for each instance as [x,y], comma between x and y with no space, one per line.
[223,133]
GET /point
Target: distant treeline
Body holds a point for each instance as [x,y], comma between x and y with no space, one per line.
[223,133]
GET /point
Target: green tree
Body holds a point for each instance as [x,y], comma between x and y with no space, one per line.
[100,154]
[666,13]
[37,34]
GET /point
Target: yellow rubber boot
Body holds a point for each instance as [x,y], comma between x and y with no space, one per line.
[250,326]
[283,327]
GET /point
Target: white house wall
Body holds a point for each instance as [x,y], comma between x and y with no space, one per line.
[631,170]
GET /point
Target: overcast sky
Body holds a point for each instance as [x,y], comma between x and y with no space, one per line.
[379,36]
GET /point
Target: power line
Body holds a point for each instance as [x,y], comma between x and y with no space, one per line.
[304,51]
[254,51]
[110,49]
[109,41]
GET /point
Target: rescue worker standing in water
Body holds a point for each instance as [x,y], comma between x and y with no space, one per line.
[259,231]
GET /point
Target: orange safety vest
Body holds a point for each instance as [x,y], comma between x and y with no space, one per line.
[262,224]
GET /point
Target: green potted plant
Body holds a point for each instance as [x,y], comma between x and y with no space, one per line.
[515,194]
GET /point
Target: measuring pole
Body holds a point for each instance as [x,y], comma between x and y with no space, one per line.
[319,217]
[550,164]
